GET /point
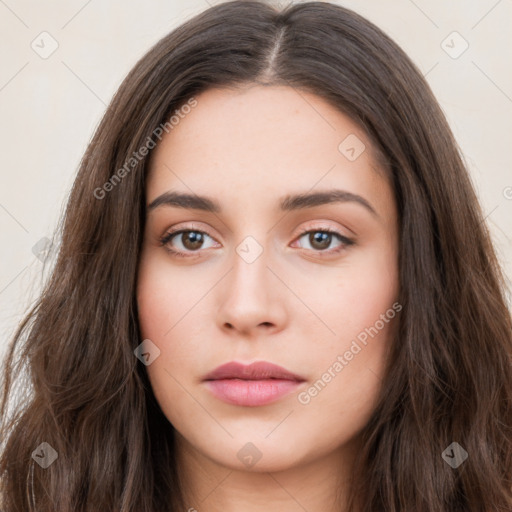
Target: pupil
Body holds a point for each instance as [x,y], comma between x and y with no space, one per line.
[323,239]
[193,240]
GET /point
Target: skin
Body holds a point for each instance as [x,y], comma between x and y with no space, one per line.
[247,148]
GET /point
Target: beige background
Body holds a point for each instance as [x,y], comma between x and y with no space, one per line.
[50,106]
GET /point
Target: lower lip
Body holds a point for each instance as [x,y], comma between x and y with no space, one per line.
[251,393]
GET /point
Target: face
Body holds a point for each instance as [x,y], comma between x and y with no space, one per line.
[265,274]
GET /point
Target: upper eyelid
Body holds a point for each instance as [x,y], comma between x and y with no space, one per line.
[191,227]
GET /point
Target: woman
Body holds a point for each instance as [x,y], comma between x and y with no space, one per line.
[274,290]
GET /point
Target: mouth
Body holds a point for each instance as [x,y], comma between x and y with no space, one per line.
[251,385]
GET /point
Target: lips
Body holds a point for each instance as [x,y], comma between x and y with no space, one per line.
[261,370]
[251,385]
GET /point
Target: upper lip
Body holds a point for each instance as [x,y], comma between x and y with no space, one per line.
[255,371]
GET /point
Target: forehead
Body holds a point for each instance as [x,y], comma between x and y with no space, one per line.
[239,118]
[260,142]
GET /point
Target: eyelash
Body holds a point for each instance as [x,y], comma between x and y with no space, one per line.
[180,254]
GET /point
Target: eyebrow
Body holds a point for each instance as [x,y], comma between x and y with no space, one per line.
[288,203]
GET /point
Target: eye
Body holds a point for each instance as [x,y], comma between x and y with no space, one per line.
[320,240]
[188,241]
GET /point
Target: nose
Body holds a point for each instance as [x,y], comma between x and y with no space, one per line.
[252,298]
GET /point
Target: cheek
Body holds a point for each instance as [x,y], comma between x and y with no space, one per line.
[353,297]
[160,323]
[360,306]
[169,314]
[165,295]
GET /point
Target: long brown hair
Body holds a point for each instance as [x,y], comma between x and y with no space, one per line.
[450,378]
